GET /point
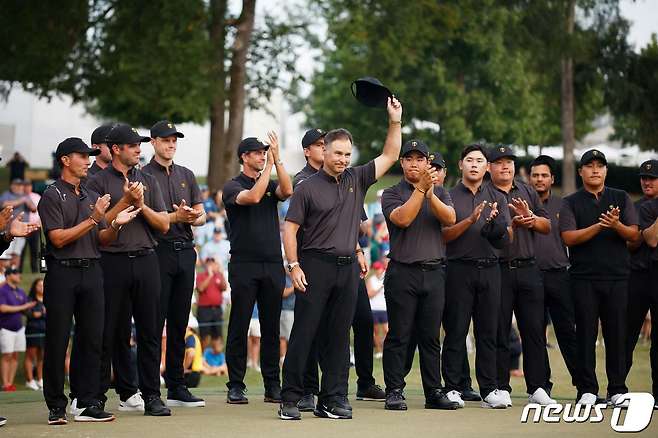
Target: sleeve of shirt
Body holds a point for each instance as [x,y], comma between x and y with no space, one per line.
[366,174]
[391,200]
[50,211]
[230,192]
[298,203]
[629,214]
[194,188]
[156,200]
[647,215]
[190,342]
[444,196]
[3,297]
[567,217]
[537,206]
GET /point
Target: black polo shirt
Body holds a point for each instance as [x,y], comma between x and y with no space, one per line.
[550,251]
[605,256]
[253,229]
[421,241]
[641,256]
[523,244]
[648,215]
[471,245]
[61,208]
[307,171]
[176,184]
[137,234]
[329,209]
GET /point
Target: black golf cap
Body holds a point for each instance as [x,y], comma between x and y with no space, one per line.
[436,159]
[74,144]
[371,92]
[164,128]
[501,151]
[100,134]
[311,136]
[545,160]
[415,145]
[122,133]
[591,155]
[251,144]
[649,168]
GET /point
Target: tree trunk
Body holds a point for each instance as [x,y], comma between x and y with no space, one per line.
[567,99]
[238,78]
[219,167]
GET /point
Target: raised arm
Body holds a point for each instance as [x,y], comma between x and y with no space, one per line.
[284,189]
[393,143]
[256,193]
[453,232]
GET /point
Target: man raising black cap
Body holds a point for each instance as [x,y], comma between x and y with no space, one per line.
[255,272]
[176,254]
[595,223]
[98,141]
[73,219]
[415,211]
[131,272]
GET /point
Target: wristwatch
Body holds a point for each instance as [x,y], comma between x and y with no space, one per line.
[4,235]
[292,265]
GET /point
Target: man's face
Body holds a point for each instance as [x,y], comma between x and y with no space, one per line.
[473,166]
[77,164]
[413,164]
[165,147]
[649,186]
[337,155]
[217,237]
[16,188]
[315,151]
[27,188]
[593,173]
[541,178]
[14,279]
[441,173]
[127,154]
[255,160]
[105,156]
[502,171]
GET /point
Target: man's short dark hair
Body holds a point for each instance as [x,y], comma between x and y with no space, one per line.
[544,160]
[473,147]
[337,134]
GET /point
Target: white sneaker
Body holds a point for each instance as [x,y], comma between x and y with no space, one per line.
[505,395]
[494,400]
[134,403]
[456,397]
[32,384]
[614,401]
[74,409]
[541,397]
[40,383]
[379,355]
[587,399]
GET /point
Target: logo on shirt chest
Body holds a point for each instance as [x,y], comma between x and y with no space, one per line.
[268,193]
[351,189]
[183,185]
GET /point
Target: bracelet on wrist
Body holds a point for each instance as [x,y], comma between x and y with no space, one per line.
[421,191]
[114,226]
[94,220]
[395,122]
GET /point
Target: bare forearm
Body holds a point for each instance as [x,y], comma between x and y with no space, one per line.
[285,183]
[62,237]
[391,150]
[112,213]
[157,220]
[542,225]
[290,241]
[256,193]
[405,214]
[627,232]
[107,236]
[444,213]
[577,237]
[453,232]
[650,235]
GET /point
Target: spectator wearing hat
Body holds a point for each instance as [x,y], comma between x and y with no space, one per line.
[193,358]
[32,241]
[22,206]
[75,227]
[176,253]
[17,166]
[375,286]
[644,271]
[218,248]
[13,302]
[131,274]
[553,262]
[327,207]
[256,272]
[210,284]
[596,222]
[313,145]
[522,292]
[99,141]
[415,211]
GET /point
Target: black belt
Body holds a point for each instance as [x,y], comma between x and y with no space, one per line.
[178,245]
[133,254]
[478,263]
[424,266]
[562,269]
[75,263]
[334,259]
[519,263]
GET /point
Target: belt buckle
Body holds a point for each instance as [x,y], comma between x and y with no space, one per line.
[178,246]
[345,260]
[132,255]
[84,263]
[513,264]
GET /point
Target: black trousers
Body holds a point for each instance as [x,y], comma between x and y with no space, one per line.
[522,293]
[177,272]
[642,297]
[471,291]
[68,293]
[415,299]
[558,301]
[131,284]
[250,283]
[607,301]
[325,311]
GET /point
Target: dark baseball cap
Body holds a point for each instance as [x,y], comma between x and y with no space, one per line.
[251,144]
[545,160]
[500,151]
[164,128]
[311,136]
[12,270]
[122,133]
[436,159]
[649,168]
[100,133]
[74,144]
[415,145]
[591,155]
[371,92]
